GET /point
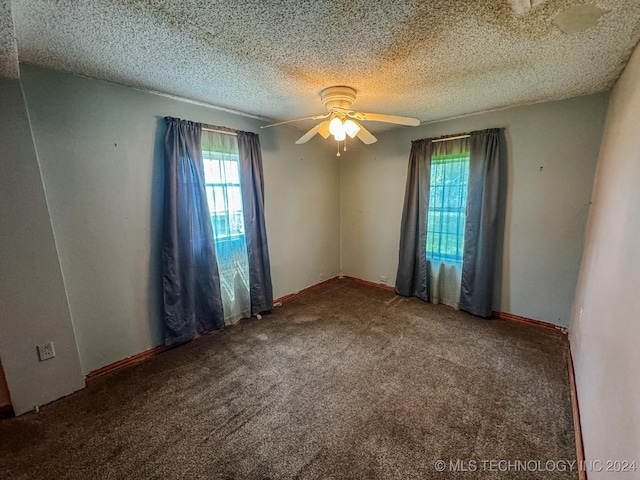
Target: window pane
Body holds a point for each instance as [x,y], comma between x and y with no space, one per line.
[231,170]
[451,221]
[212,171]
[223,193]
[235,199]
[219,203]
[447,205]
[220,225]
[236,219]
[210,199]
[436,197]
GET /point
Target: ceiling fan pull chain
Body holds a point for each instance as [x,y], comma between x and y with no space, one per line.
[338,154]
[345,144]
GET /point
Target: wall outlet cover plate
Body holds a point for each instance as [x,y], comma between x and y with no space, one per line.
[46,351]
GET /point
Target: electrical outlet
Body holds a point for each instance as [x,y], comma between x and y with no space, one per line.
[46,351]
[383,279]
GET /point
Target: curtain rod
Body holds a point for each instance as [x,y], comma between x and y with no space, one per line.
[455,137]
[208,128]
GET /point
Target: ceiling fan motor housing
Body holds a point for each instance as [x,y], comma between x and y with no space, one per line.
[338,97]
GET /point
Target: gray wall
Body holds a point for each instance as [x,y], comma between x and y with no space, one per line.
[100,156]
[33,304]
[5,396]
[605,328]
[100,152]
[552,153]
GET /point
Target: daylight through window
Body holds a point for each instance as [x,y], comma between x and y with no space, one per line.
[222,181]
[447,206]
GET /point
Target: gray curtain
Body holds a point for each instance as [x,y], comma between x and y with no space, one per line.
[192,302]
[480,233]
[411,279]
[252,185]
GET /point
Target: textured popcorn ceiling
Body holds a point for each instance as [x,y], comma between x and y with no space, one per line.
[8,49]
[429,59]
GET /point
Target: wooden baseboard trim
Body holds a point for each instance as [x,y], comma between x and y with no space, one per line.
[381,286]
[575,408]
[140,357]
[293,295]
[498,315]
[126,362]
[152,352]
[528,321]
[6,411]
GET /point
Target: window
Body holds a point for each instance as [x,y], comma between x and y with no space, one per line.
[447,206]
[222,181]
[224,196]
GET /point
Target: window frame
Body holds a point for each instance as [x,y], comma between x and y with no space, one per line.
[209,155]
[463,158]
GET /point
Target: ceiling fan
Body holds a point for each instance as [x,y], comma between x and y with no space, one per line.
[341,121]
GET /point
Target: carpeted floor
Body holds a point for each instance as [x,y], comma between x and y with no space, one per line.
[345,381]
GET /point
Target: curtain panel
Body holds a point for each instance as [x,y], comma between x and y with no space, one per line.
[481,228]
[191,284]
[412,276]
[252,186]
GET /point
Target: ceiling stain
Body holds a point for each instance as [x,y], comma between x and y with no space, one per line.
[578,18]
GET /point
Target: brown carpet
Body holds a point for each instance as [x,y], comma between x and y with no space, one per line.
[346,381]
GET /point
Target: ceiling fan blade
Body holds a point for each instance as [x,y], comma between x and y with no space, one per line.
[315,117]
[307,136]
[365,135]
[323,129]
[380,117]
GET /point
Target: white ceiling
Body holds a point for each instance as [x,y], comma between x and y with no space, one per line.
[8,49]
[429,59]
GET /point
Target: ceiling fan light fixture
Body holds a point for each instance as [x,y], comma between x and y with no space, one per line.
[351,128]
[342,121]
[340,136]
[335,127]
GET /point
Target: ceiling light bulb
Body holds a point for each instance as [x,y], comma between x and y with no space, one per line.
[340,136]
[335,127]
[351,128]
